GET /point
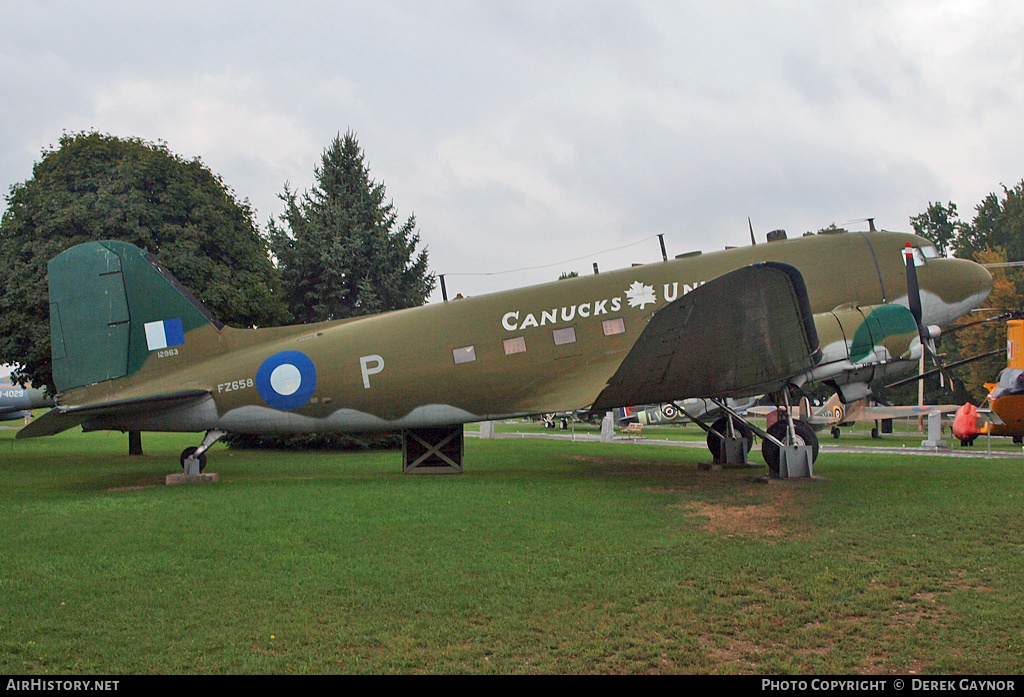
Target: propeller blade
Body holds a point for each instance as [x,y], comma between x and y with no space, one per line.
[913,290]
[914,301]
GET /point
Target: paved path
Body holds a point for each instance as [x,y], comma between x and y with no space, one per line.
[977,451]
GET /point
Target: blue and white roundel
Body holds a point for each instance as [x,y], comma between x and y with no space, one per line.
[286,380]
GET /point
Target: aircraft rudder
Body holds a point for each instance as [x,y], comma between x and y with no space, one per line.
[111,306]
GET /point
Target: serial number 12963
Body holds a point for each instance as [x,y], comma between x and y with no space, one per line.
[234,385]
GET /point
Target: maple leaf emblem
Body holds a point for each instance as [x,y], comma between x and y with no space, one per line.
[640,295]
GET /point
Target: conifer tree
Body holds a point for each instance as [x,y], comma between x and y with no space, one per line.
[340,248]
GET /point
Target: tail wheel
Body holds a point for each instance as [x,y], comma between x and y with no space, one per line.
[804,435]
[722,426]
[189,452]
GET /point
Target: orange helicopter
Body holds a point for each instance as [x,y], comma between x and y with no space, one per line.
[1005,397]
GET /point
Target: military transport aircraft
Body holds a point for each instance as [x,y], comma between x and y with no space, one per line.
[17,402]
[133,350]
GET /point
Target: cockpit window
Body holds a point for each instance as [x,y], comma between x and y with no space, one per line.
[916,253]
[929,251]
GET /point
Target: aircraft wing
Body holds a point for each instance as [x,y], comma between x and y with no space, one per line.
[742,334]
[62,418]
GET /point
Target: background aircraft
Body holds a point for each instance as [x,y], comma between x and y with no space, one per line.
[133,350]
[17,402]
[683,411]
[1005,417]
[834,414]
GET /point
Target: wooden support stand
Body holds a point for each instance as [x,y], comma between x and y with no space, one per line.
[432,450]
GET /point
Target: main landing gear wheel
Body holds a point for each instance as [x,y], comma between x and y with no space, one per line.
[805,435]
[188,452]
[722,426]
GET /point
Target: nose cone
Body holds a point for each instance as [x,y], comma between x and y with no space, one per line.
[984,281]
[973,280]
[953,287]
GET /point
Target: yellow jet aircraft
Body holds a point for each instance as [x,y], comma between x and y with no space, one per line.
[133,350]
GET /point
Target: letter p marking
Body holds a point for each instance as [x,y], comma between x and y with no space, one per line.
[370,365]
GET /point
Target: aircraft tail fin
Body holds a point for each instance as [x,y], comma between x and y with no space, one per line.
[112,305]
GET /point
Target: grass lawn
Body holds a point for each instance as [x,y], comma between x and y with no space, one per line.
[543,557]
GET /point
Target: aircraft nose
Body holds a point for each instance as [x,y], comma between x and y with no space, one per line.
[978,277]
[963,285]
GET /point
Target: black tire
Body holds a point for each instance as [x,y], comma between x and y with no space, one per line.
[187,453]
[805,435]
[835,432]
[874,433]
[722,426]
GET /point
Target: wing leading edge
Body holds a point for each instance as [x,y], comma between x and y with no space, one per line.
[745,333]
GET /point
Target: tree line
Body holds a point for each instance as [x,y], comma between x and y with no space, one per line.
[340,249]
[994,235]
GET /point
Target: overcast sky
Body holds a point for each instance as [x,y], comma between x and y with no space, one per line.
[525,134]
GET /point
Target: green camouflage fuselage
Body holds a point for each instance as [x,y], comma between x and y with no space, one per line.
[546,348]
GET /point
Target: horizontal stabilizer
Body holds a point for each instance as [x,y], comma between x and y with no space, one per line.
[745,333]
[62,418]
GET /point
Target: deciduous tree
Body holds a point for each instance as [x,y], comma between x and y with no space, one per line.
[94,187]
[998,223]
[982,338]
[939,224]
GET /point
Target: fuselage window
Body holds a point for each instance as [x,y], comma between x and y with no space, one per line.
[515,345]
[613,326]
[564,336]
[466,354]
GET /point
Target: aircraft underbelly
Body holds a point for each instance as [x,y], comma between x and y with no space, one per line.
[257,419]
